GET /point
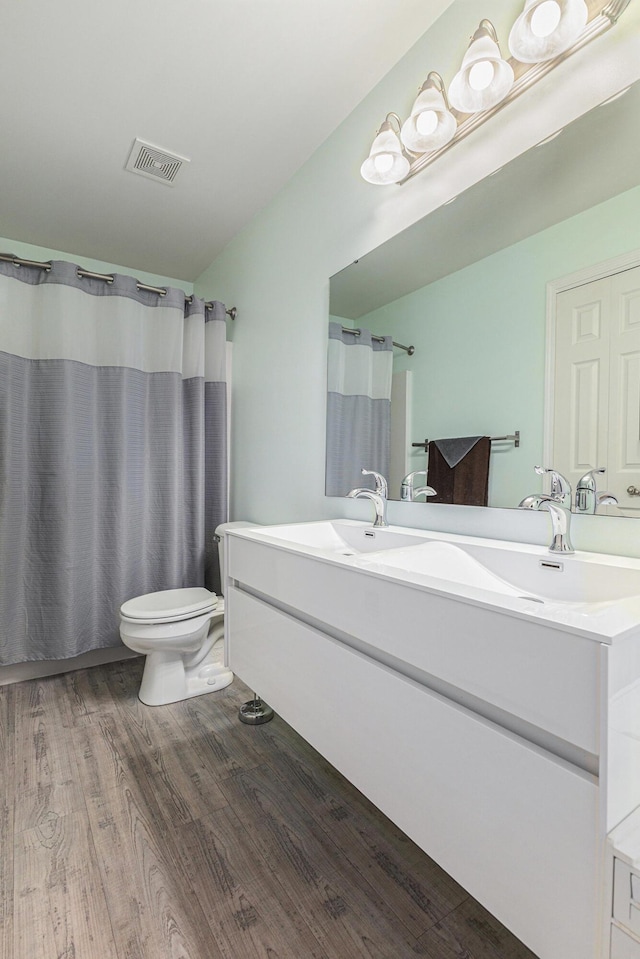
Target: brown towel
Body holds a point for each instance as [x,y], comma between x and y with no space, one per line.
[466,483]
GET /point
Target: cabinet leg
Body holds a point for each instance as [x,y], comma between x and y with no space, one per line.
[255,712]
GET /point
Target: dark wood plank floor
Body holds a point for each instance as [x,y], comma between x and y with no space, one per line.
[176,832]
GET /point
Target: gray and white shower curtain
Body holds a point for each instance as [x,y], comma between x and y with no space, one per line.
[359,375]
[112,453]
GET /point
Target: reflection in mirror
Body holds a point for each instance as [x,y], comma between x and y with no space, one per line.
[360,368]
[593,347]
[467,286]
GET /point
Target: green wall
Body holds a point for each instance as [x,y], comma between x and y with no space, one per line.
[479,336]
[276,271]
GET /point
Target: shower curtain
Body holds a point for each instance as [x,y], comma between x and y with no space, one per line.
[358,408]
[112,453]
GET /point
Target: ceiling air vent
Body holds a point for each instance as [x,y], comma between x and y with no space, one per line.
[154,162]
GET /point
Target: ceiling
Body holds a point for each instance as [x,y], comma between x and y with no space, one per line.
[246,89]
[593,159]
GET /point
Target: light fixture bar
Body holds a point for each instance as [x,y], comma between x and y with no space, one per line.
[600,23]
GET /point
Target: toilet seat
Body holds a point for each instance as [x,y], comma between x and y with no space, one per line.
[169,606]
[181,634]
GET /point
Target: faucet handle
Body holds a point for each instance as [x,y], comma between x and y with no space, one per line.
[560,485]
[380,481]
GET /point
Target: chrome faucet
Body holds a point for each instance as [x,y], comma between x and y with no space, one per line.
[379,501]
[378,498]
[406,489]
[560,520]
[558,505]
[426,490]
[587,496]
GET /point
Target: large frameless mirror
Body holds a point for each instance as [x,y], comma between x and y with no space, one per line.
[470,288]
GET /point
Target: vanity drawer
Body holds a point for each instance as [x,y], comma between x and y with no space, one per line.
[515,827]
[626,896]
[534,677]
[624,946]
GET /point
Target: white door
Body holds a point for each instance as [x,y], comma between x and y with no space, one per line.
[597,385]
[624,396]
[581,386]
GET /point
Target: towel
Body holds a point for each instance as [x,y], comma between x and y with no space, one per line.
[459,470]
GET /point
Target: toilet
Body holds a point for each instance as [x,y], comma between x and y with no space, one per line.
[181,632]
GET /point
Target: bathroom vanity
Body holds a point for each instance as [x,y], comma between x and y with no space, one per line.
[484,695]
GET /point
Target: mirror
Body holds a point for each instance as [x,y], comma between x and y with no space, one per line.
[467,287]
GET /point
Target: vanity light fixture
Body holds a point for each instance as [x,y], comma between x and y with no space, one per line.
[431,123]
[545,32]
[485,78]
[546,28]
[386,162]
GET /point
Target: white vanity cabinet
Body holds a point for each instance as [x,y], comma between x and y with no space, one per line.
[478,732]
[623,864]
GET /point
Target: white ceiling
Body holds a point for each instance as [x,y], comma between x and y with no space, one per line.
[247,89]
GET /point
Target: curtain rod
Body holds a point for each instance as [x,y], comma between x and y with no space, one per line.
[380,339]
[107,277]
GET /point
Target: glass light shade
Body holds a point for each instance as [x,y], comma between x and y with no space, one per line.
[386,162]
[427,122]
[533,39]
[545,18]
[475,87]
[431,124]
[481,75]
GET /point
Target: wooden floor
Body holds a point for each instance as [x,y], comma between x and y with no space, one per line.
[131,832]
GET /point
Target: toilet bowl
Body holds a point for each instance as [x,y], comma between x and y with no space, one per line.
[181,633]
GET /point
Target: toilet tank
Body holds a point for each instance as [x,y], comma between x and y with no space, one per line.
[219,534]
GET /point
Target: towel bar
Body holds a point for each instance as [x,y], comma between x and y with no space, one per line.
[509,438]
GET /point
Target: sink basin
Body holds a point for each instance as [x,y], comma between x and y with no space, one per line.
[513,569]
[593,594]
[447,562]
[341,537]
[579,578]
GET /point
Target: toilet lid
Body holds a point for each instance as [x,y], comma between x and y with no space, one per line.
[170,604]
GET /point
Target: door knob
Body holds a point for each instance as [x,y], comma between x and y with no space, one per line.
[633,491]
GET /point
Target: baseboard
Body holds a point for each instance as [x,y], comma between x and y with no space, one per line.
[19,672]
